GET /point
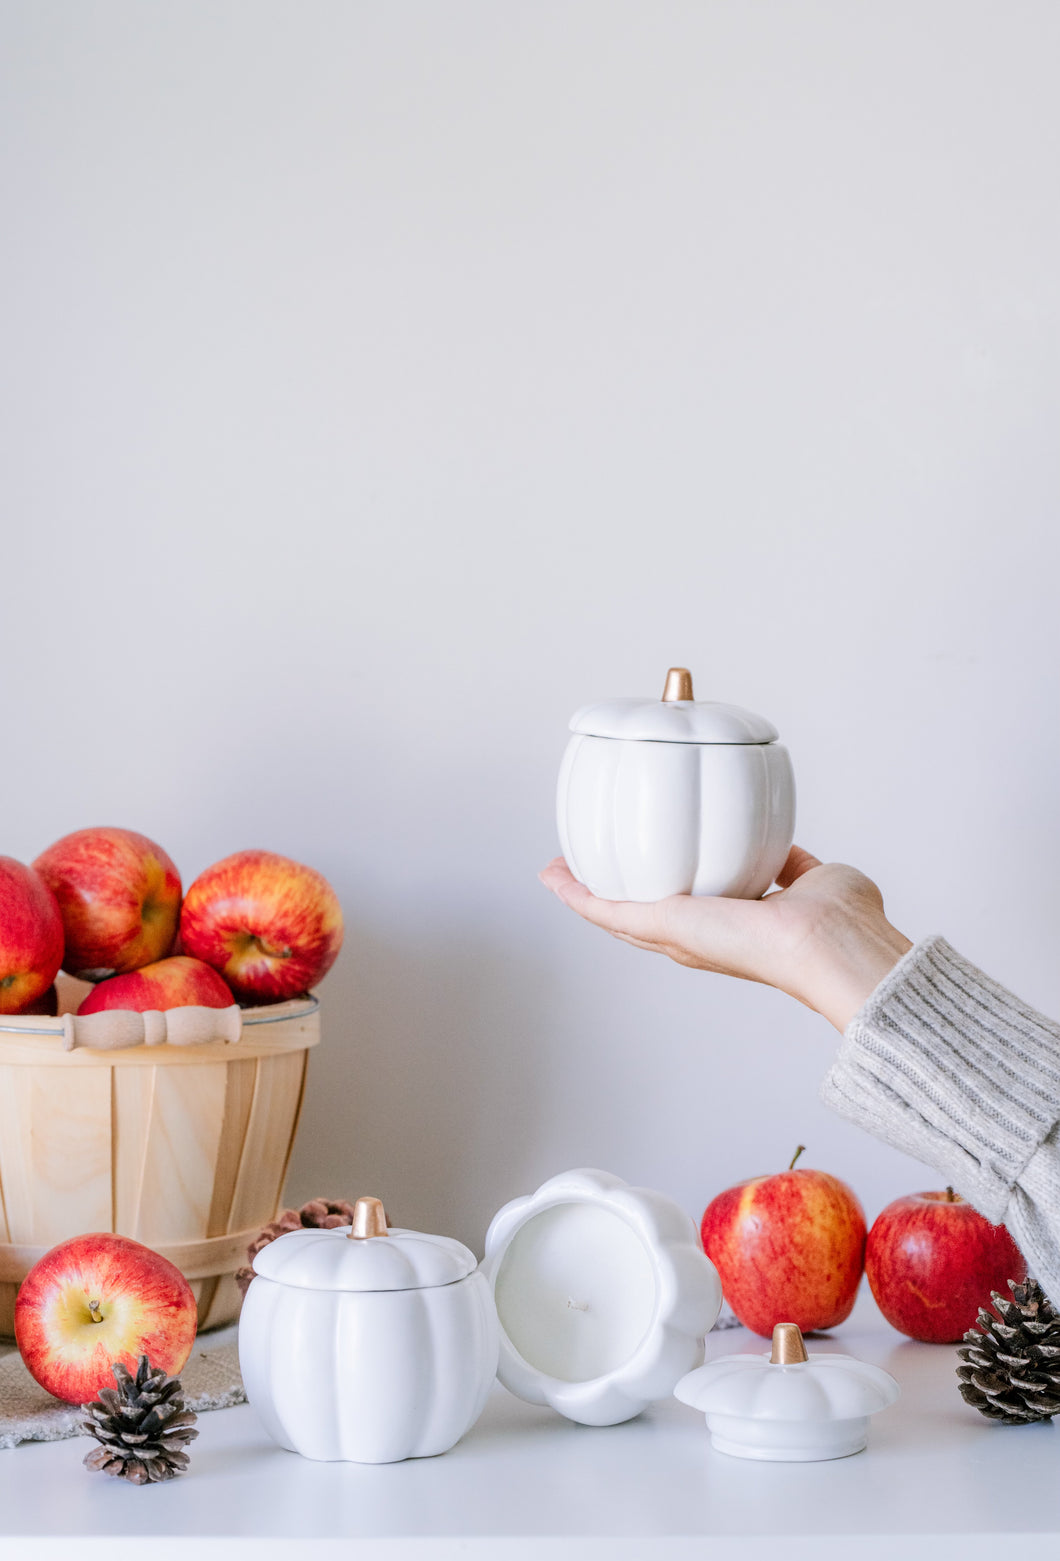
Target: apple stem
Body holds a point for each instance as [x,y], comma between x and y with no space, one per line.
[269,950]
[800,1150]
[94,1312]
[951,1196]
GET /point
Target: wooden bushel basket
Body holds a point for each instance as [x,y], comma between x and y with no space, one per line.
[183,1147]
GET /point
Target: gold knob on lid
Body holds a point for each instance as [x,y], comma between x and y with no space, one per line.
[788,1348]
[678,685]
[369,1219]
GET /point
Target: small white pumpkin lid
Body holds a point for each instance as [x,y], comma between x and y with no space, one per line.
[367,1256]
[675,718]
[788,1384]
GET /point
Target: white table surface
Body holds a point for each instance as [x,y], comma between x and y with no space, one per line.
[526,1484]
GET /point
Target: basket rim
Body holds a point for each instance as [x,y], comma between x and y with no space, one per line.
[262,1013]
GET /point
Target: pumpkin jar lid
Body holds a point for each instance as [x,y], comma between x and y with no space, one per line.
[787,1406]
[366,1256]
[675,718]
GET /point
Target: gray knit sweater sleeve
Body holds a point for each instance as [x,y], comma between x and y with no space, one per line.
[947,1065]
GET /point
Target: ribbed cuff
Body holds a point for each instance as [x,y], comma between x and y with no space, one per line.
[1033,1216]
[947,1065]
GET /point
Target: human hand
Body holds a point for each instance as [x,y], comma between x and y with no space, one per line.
[822,936]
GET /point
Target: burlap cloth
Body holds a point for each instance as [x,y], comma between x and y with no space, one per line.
[28,1414]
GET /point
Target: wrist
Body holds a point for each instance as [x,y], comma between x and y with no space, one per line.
[846,963]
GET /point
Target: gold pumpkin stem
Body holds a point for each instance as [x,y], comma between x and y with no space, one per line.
[369,1219]
[678,685]
[788,1348]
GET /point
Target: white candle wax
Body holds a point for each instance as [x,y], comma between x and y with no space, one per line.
[576,1291]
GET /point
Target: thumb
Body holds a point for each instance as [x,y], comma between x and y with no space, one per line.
[798,862]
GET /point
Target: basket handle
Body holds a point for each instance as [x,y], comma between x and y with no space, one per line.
[204,1259]
[117,1028]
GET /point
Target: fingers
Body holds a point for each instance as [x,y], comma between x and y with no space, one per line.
[556,876]
[625,918]
[639,943]
[798,862]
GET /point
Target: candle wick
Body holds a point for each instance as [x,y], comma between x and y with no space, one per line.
[576,1306]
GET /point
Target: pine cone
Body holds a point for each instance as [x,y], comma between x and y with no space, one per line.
[1012,1357]
[318,1214]
[142,1426]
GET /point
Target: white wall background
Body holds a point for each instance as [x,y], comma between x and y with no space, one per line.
[381,382]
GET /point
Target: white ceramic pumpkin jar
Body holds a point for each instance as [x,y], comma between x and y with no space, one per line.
[367,1344]
[604,1296]
[674,796]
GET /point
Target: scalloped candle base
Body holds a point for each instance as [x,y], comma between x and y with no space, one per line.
[603,1294]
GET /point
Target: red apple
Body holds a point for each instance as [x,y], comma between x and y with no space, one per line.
[119,895]
[932,1261]
[270,926]
[31,937]
[788,1248]
[177,982]
[98,1299]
